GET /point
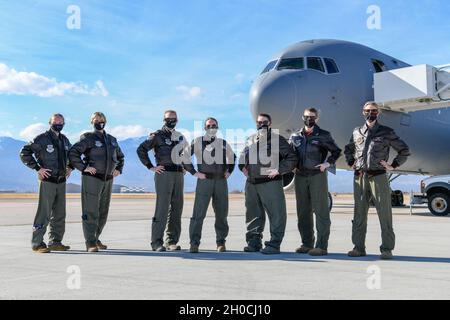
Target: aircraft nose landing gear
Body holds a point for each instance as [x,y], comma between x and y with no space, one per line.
[397,199]
[396,196]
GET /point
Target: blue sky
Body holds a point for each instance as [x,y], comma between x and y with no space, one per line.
[134,59]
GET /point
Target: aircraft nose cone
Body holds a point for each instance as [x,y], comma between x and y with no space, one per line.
[275,95]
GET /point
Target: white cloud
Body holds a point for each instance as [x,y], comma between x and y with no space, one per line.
[31,83]
[100,87]
[190,93]
[6,133]
[125,132]
[33,130]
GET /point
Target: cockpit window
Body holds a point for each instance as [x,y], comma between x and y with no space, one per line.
[324,65]
[331,66]
[379,65]
[270,66]
[315,63]
[292,64]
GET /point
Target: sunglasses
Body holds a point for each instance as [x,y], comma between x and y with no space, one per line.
[373,111]
[212,126]
[266,123]
[170,119]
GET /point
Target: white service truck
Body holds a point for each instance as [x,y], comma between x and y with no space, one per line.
[436,192]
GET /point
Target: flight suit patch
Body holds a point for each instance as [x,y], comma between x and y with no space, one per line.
[50,148]
[297,142]
[98,144]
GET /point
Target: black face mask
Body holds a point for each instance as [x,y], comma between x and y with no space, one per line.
[371,117]
[170,123]
[99,126]
[309,123]
[57,127]
[264,125]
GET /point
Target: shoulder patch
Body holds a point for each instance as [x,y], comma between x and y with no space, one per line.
[296,141]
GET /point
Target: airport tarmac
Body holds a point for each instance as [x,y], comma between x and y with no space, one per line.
[130,270]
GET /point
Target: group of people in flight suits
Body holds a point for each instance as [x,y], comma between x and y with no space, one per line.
[266,158]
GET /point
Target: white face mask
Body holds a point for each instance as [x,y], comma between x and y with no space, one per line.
[211,132]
